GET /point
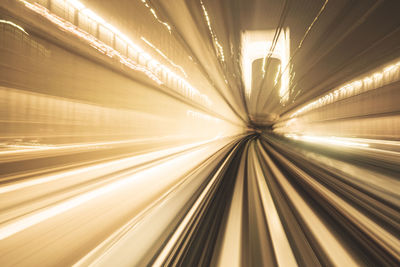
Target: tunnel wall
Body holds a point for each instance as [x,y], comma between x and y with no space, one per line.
[366,107]
[64,87]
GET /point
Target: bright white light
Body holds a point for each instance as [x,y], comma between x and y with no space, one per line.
[14,25]
[332,140]
[257,44]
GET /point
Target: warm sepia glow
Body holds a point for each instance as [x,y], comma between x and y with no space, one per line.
[199,133]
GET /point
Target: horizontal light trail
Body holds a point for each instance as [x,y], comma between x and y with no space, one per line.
[377,79]
[108,166]
[328,140]
[11,228]
[42,147]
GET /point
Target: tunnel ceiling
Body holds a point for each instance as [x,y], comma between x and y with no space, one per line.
[330,43]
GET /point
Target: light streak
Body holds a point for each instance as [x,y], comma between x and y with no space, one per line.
[153,12]
[312,24]
[284,90]
[110,166]
[332,140]
[386,75]
[281,244]
[14,25]
[218,46]
[20,224]
[164,56]
[189,215]
[151,68]
[37,147]
[90,39]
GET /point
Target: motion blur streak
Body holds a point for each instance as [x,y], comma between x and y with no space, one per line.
[199,133]
[14,227]
[14,25]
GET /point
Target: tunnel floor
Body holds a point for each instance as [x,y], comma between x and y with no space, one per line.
[258,201]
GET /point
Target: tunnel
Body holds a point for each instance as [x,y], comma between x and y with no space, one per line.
[232,133]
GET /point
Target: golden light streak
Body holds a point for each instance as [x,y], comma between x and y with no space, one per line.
[13,227]
[312,24]
[189,215]
[164,56]
[218,46]
[284,90]
[283,251]
[109,166]
[153,12]
[37,147]
[370,227]
[325,237]
[14,25]
[151,68]
[332,140]
[386,75]
[92,41]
